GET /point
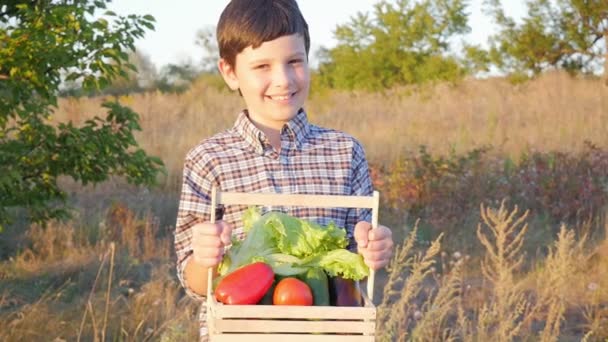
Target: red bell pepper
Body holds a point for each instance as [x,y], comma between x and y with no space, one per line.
[246,285]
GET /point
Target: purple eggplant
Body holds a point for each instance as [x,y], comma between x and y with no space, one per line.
[344,292]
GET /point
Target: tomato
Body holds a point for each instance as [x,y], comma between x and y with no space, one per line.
[292,291]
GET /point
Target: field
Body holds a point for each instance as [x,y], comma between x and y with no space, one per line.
[497,195]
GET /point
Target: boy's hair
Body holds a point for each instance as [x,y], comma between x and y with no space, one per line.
[246,23]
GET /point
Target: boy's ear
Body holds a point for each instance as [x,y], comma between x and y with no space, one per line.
[228,73]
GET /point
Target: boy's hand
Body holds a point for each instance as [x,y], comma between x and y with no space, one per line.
[376,245]
[208,242]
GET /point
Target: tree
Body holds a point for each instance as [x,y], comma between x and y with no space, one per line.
[206,39]
[177,77]
[144,77]
[563,34]
[402,42]
[43,43]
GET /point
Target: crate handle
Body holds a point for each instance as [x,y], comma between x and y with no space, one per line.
[327,201]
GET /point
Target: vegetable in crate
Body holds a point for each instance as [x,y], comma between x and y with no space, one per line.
[316,279]
[292,246]
[292,291]
[246,285]
[344,292]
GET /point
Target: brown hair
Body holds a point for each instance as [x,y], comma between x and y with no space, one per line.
[246,23]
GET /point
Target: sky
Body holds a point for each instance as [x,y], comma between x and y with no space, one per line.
[178,21]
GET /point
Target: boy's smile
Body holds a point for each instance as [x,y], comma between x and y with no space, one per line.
[273,78]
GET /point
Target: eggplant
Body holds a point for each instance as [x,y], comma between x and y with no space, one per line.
[344,292]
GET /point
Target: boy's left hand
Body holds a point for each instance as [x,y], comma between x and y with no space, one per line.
[376,245]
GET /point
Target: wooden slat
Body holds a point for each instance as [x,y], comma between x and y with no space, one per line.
[372,274]
[289,338]
[298,312]
[331,201]
[293,326]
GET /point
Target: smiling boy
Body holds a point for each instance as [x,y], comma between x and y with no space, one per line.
[272,147]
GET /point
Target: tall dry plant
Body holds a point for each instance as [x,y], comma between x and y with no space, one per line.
[118,285]
[24,324]
[438,313]
[55,248]
[407,273]
[555,279]
[137,233]
[503,316]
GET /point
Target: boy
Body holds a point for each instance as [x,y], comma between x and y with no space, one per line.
[264,47]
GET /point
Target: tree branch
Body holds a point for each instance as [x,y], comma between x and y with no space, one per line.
[4,77]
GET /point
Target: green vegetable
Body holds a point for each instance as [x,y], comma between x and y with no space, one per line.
[316,279]
[339,262]
[291,246]
[303,238]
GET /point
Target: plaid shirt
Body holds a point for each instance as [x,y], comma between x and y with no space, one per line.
[312,160]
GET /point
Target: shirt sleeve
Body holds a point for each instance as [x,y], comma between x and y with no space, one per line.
[194,206]
[361,185]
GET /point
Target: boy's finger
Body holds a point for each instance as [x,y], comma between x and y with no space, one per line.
[207,229]
[207,262]
[361,233]
[379,245]
[210,253]
[226,235]
[380,233]
[376,260]
[207,242]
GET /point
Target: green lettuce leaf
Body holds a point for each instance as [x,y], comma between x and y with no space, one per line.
[339,262]
[291,246]
[302,238]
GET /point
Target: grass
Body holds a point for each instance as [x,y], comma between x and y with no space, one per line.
[122,285]
[500,221]
[113,289]
[553,113]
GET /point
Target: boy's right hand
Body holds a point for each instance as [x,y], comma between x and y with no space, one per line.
[209,241]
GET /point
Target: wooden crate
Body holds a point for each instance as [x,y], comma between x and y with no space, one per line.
[293,323]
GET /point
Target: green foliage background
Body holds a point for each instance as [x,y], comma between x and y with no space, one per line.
[401,42]
[564,34]
[42,44]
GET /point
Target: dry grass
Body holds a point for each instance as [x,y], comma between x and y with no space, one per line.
[120,287]
[113,289]
[562,303]
[554,112]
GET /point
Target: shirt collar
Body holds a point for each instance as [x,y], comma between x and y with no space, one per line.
[255,138]
[300,127]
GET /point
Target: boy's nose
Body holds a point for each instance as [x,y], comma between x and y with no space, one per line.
[282,77]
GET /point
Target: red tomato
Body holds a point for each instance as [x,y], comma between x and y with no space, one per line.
[292,291]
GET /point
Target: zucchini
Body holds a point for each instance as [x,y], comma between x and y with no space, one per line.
[316,279]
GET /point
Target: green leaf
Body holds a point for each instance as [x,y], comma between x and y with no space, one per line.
[41,52]
[148,25]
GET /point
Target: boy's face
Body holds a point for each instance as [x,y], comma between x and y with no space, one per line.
[274,79]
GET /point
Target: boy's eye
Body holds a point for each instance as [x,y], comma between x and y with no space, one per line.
[261,66]
[295,61]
